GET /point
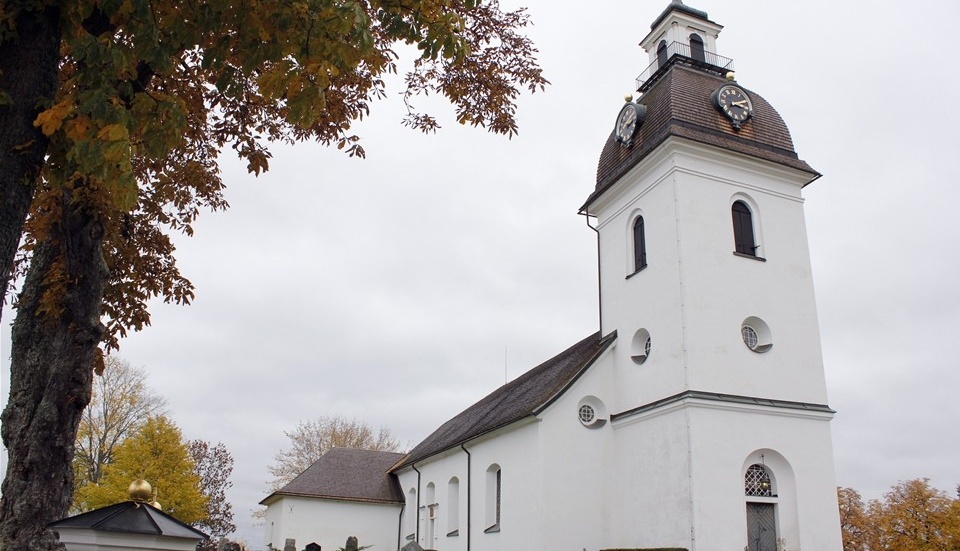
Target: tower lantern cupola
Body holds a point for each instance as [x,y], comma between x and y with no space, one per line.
[681,34]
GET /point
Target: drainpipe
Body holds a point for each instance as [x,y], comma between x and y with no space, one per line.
[416,536]
[469,499]
[599,278]
[400,529]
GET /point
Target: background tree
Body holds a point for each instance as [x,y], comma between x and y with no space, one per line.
[114,114]
[311,439]
[912,516]
[121,402]
[158,454]
[855,526]
[915,516]
[214,464]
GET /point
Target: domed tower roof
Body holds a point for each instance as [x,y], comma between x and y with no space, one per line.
[680,104]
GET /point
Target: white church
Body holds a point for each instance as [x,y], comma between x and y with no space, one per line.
[695,418]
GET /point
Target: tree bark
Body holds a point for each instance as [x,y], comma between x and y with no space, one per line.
[28,75]
[52,360]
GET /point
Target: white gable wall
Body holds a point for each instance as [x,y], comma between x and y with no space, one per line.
[329,522]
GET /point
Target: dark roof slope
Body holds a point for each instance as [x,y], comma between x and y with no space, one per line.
[347,474]
[519,398]
[680,104]
[678,5]
[133,518]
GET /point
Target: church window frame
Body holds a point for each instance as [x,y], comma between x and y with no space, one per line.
[662,55]
[640,346]
[745,218]
[591,412]
[756,334]
[758,482]
[697,50]
[743,237]
[412,514]
[453,507]
[493,498]
[639,234]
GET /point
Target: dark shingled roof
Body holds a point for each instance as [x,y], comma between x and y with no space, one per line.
[522,397]
[133,518]
[678,5]
[347,474]
[680,104]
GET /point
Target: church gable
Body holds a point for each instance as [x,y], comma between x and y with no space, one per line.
[518,399]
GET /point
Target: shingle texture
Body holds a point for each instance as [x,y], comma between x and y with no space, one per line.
[512,402]
[347,474]
[132,518]
[680,104]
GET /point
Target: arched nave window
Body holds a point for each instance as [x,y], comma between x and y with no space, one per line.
[453,507]
[493,498]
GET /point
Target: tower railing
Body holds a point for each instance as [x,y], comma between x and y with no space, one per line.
[679,52]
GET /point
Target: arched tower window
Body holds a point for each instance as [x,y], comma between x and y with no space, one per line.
[743,229]
[662,53]
[639,245]
[696,48]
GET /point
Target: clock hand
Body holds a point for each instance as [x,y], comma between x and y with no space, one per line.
[741,103]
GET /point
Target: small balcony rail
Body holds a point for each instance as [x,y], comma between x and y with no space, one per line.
[679,52]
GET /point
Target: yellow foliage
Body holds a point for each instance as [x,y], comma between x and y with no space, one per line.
[158,455]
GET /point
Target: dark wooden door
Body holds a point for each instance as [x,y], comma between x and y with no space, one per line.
[761,527]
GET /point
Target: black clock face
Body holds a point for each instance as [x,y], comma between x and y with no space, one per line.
[626,124]
[734,103]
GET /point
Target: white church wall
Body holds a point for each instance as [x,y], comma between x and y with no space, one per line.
[330,522]
[649,482]
[721,290]
[575,464]
[797,452]
[649,299]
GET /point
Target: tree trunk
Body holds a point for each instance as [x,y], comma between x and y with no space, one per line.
[28,75]
[52,358]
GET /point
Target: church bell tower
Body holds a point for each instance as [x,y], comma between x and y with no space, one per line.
[705,277]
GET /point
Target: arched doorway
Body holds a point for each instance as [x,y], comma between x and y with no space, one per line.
[761,513]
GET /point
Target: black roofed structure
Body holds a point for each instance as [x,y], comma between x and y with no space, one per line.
[127,525]
[346,474]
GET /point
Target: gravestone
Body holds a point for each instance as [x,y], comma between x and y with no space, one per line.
[290,545]
[313,547]
[412,546]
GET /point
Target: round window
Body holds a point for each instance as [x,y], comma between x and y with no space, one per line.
[587,414]
[756,334]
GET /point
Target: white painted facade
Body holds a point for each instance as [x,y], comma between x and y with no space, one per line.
[668,464]
[329,522]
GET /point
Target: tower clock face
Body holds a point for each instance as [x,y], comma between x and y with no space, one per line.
[734,103]
[627,122]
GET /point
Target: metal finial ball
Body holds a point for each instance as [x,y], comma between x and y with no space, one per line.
[731,76]
[628,98]
[140,490]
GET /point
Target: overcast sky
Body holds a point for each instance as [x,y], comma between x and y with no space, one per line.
[401,288]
